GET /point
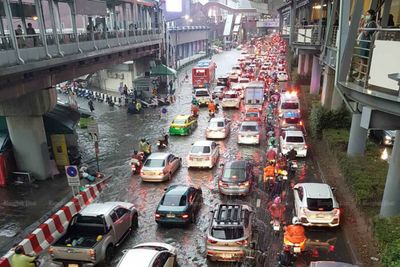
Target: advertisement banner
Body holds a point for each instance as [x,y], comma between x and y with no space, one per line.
[60,151]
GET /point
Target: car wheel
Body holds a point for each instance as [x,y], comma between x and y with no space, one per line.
[109,255]
[135,222]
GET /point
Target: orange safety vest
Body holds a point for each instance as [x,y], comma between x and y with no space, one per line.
[295,234]
[269,171]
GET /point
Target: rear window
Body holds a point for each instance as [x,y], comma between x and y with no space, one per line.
[179,121]
[201,93]
[216,124]
[89,220]
[173,200]
[200,149]
[154,163]
[320,204]
[200,72]
[227,233]
[294,139]
[249,128]
[292,120]
[234,175]
[290,105]
[252,114]
[230,96]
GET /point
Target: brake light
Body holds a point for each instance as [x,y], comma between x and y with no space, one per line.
[185,216]
[220,183]
[305,146]
[211,241]
[301,123]
[336,212]
[258,136]
[208,158]
[190,158]
[157,216]
[331,248]
[92,254]
[247,183]
[242,243]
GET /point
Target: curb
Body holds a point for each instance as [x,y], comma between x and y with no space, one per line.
[52,229]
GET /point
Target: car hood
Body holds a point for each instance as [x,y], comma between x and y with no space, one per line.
[391,134]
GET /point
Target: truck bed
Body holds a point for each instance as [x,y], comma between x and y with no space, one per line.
[81,236]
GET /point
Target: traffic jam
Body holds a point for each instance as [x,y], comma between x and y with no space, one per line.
[235,192]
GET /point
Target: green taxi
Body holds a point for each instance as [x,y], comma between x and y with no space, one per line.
[183,125]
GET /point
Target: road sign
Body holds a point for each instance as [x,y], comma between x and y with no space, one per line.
[72,175]
[93,130]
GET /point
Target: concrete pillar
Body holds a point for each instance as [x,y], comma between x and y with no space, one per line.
[27,132]
[315,76]
[307,64]
[391,198]
[327,87]
[358,137]
[300,65]
[337,100]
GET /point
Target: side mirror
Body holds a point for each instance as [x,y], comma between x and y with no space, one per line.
[333,189]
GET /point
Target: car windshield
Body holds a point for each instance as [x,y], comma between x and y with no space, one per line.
[154,163]
[249,128]
[294,139]
[201,93]
[227,233]
[179,121]
[200,149]
[290,105]
[252,114]
[320,204]
[216,124]
[234,175]
[173,200]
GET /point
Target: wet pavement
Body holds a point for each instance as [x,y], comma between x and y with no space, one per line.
[119,135]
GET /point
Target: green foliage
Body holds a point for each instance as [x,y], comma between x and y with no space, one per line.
[218,42]
[322,118]
[387,232]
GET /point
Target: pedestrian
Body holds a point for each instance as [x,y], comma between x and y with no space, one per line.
[125,90]
[171,85]
[18,33]
[121,89]
[31,31]
[135,93]
[365,41]
[21,259]
[91,105]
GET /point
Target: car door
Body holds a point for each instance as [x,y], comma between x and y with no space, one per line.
[298,198]
[172,163]
[124,220]
[214,151]
[118,231]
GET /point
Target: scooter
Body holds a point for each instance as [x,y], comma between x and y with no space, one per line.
[137,163]
[276,225]
[163,143]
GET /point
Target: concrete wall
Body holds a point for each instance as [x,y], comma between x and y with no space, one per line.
[183,37]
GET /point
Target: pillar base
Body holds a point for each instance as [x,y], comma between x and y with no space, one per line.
[358,137]
[315,76]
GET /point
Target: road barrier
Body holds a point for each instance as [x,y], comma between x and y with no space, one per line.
[52,229]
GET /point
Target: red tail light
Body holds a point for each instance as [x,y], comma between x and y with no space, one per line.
[331,248]
[305,146]
[185,216]
[211,241]
[157,216]
[242,243]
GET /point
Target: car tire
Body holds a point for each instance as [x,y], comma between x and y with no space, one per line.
[135,222]
[109,255]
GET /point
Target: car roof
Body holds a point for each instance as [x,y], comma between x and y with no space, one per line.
[330,264]
[317,190]
[203,143]
[294,133]
[159,155]
[140,257]
[201,89]
[177,189]
[249,123]
[218,119]
[96,209]
[181,117]
[230,92]
[236,164]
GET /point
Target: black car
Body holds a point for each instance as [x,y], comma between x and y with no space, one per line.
[236,179]
[223,80]
[179,205]
[383,137]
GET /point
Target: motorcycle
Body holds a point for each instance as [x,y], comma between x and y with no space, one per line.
[276,225]
[286,259]
[162,143]
[137,163]
[293,165]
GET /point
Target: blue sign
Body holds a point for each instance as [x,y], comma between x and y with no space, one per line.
[72,171]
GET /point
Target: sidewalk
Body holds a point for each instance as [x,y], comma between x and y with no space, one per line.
[23,204]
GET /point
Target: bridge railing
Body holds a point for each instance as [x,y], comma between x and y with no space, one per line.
[375,61]
[31,47]
[309,35]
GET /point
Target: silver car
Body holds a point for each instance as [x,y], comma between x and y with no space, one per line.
[218,128]
[249,133]
[160,167]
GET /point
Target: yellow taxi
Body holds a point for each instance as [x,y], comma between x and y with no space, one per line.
[183,125]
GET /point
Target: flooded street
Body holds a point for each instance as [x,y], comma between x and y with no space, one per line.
[119,136]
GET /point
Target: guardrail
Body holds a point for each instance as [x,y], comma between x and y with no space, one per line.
[309,35]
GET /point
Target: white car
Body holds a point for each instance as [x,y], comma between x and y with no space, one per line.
[203,154]
[218,128]
[282,76]
[316,205]
[293,139]
[249,133]
[231,99]
[202,96]
[159,167]
[148,255]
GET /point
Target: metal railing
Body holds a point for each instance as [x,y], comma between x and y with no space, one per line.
[363,54]
[309,35]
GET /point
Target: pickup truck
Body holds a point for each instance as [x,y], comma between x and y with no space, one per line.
[93,233]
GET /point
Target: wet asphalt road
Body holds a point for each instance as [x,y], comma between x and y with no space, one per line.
[120,134]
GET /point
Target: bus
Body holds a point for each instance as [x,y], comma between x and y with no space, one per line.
[203,74]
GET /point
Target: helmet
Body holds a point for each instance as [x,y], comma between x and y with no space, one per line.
[277,200]
[286,248]
[296,220]
[19,249]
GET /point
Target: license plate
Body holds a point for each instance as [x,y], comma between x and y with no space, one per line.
[276,227]
[320,216]
[296,249]
[228,256]
[73,265]
[170,215]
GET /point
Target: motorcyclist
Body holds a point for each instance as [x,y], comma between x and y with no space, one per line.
[163,140]
[144,147]
[277,210]
[211,107]
[272,141]
[291,155]
[20,259]
[285,258]
[195,102]
[269,171]
[271,155]
[295,233]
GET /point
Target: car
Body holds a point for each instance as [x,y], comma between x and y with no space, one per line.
[149,254]
[179,205]
[252,114]
[160,167]
[249,133]
[218,128]
[330,264]
[203,154]
[236,178]
[244,80]
[282,76]
[223,80]
[233,77]
[288,102]
[183,125]
[291,119]
[384,137]
[231,99]
[218,91]
[202,96]
[316,205]
[229,233]
[293,139]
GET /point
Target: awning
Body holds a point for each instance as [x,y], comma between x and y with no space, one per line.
[162,70]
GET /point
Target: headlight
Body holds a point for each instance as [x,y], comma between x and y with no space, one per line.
[388,138]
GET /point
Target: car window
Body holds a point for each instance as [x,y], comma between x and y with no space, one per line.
[249,128]
[201,93]
[114,216]
[320,204]
[154,163]
[230,96]
[121,212]
[179,121]
[294,139]
[216,124]
[301,193]
[161,259]
[200,149]
[173,200]
[227,233]
[290,105]
[234,175]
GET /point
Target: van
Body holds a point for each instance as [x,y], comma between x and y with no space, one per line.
[289,102]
